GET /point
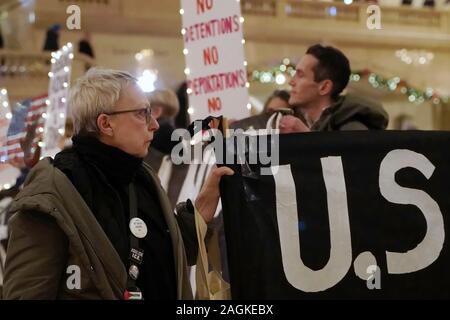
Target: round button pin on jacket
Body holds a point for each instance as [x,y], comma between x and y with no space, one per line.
[133,272]
[138,228]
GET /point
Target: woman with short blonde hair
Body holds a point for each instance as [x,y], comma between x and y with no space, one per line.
[98,213]
[96,92]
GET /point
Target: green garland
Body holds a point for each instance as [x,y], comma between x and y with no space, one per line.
[394,84]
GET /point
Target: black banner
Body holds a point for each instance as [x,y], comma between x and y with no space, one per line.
[342,215]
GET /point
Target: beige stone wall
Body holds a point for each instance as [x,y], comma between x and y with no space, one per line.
[422,115]
[120,29]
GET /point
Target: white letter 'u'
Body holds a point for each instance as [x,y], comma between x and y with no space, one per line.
[299,275]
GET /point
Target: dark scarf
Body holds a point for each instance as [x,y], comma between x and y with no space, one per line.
[101,174]
[117,165]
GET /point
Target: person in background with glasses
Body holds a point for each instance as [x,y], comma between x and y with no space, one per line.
[279,99]
[94,222]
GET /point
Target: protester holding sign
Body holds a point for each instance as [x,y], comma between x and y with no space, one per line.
[95,223]
[321,76]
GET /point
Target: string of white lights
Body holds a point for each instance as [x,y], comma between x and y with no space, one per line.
[188,70]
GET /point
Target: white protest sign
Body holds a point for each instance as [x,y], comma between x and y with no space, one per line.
[215,63]
[57,97]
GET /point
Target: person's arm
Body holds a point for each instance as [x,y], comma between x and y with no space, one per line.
[206,204]
[208,198]
[36,257]
[291,124]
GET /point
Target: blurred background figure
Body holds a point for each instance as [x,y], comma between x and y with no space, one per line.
[1,39]
[52,38]
[182,119]
[165,107]
[404,122]
[66,140]
[278,100]
[84,45]
[419,3]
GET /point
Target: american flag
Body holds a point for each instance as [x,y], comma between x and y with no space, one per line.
[26,120]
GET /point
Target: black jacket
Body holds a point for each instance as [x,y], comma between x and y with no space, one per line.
[352,113]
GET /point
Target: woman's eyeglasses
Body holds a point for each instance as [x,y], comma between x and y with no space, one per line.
[143,113]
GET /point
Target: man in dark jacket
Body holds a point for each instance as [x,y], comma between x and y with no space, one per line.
[321,76]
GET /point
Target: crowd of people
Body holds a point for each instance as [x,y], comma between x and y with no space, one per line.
[99,206]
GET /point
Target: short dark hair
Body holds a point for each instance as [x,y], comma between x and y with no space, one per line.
[333,65]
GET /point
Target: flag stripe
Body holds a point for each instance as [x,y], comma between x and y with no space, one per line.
[28,113]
